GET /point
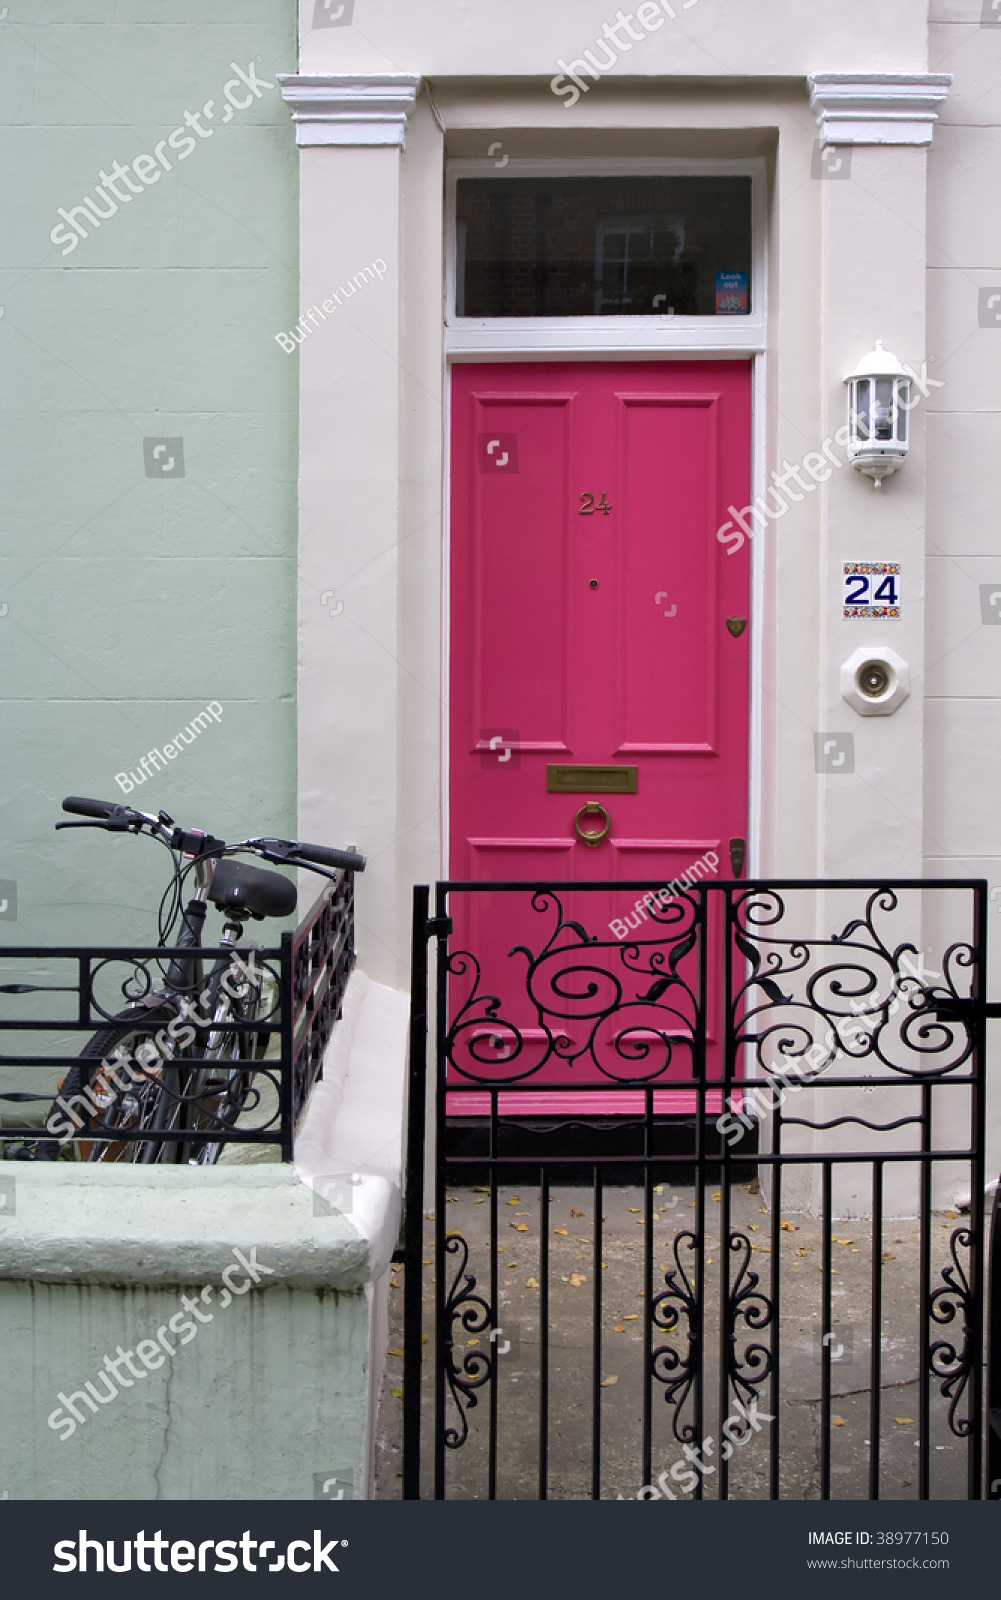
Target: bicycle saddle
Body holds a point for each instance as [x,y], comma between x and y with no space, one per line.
[238,887]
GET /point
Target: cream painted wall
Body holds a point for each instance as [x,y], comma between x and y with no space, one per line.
[714,38]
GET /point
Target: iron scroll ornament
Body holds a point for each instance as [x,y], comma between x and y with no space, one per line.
[792,1008]
[954,1367]
[474,1316]
[623,1005]
[677,1370]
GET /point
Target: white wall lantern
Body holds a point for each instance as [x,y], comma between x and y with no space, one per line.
[879,398]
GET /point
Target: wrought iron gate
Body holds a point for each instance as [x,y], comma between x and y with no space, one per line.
[794,1160]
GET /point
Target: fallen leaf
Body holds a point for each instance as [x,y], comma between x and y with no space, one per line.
[561,1230]
[511,1264]
[429,1215]
[904,1421]
[888,1257]
[633,1210]
[604,1266]
[427,1263]
[514,1202]
[633,1317]
[576,1213]
[952,1214]
[620,1327]
[801,1252]
[532,1284]
[717,1198]
[658,1188]
[607,1383]
[763,1210]
[396,1352]
[479,1202]
[519,1227]
[577,1278]
[709,1262]
[838,1422]
[472,1341]
[791,1227]
[393,1283]
[424,1338]
[855,1252]
[641,1295]
[397,1394]
[754,1226]
[480,1188]
[691,1205]
[452,1200]
[846,1241]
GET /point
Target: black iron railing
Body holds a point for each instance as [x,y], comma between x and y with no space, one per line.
[64,1011]
[804,1062]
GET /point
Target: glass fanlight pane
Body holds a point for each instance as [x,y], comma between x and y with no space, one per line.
[604,246]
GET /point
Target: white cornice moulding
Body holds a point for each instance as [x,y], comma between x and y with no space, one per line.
[350,108]
[877,107]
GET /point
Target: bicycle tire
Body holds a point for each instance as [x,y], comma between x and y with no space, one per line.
[144,1106]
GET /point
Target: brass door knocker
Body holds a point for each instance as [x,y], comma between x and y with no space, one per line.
[592,837]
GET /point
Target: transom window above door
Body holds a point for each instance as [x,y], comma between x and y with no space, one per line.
[642,244]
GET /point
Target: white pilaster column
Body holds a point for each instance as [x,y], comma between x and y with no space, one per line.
[873,287]
[350,132]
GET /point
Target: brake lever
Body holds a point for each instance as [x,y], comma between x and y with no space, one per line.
[129,825]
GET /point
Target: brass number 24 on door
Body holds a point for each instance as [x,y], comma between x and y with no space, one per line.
[589,508]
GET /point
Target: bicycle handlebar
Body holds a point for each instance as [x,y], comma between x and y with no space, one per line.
[92,808]
[284,852]
[329,858]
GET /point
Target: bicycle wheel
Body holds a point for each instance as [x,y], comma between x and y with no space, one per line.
[124,1084]
[214,1096]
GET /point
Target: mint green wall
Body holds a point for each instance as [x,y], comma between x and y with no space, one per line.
[133,601]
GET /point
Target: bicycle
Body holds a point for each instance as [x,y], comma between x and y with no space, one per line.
[168,1087]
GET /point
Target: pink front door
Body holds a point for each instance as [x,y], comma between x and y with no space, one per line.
[589,607]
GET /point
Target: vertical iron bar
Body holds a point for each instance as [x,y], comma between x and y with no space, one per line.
[543,1334]
[776,1293]
[924,1298]
[494,1302]
[825,1360]
[876,1330]
[648,1142]
[978,1174]
[697,1344]
[414,1201]
[287,1080]
[994,1354]
[596,1346]
[443,1332]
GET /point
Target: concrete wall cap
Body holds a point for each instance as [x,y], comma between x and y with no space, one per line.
[117,1225]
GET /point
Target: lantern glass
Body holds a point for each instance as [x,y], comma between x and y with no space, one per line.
[860,397]
[903,390]
[882,416]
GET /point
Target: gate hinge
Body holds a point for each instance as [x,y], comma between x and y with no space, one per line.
[438,927]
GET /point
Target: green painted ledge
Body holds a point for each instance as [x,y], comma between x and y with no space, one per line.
[119,1225]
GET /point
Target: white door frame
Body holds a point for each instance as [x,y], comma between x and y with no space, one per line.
[548,339]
